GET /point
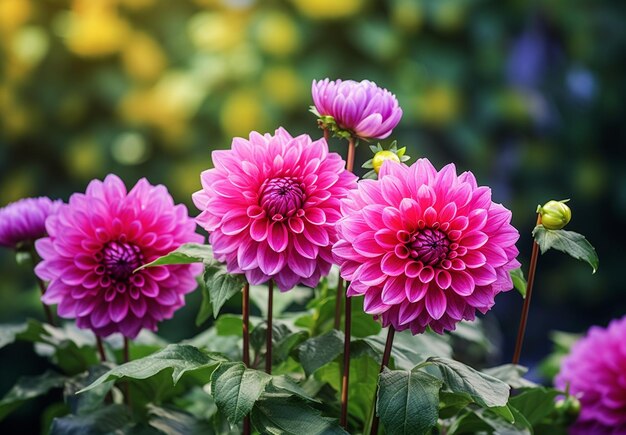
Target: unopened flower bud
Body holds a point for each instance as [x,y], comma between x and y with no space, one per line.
[381,156]
[569,407]
[555,214]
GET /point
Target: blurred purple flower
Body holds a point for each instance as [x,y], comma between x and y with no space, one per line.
[95,243]
[362,108]
[595,370]
[23,221]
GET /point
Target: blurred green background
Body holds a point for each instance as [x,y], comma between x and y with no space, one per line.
[529,95]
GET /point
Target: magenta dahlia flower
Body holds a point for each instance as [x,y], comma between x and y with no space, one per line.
[362,108]
[426,248]
[270,206]
[595,371]
[23,221]
[95,243]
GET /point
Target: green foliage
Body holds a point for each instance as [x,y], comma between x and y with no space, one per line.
[408,402]
[185,254]
[106,420]
[29,387]
[319,351]
[219,286]
[519,282]
[574,244]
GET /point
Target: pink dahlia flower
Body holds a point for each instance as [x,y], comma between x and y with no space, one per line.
[362,108]
[426,248]
[270,206]
[23,221]
[595,371]
[95,243]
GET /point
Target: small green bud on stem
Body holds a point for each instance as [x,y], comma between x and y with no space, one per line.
[381,156]
[555,214]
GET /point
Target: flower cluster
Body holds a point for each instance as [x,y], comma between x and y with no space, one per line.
[594,371]
[24,221]
[270,206]
[361,108]
[99,239]
[425,247]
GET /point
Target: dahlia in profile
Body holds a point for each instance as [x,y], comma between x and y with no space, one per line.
[426,248]
[95,243]
[361,108]
[23,221]
[595,372]
[270,206]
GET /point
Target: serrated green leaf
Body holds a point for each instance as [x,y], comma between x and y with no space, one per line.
[408,402]
[173,421]
[409,350]
[488,422]
[535,403]
[485,390]
[180,358]
[286,416]
[90,401]
[321,350]
[511,374]
[519,282]
[236,389]
[285,384]
[29,387]
[221,286]
[185,254]
[285,345]
[106,420]
[569,242]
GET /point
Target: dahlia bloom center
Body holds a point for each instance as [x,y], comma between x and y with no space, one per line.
[282,197]
[121,259]
[430,246]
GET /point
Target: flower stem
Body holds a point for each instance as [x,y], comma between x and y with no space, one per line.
[127,359]
[103,356]
[338,304]
[529,291]
[268,335]
[385,362]
[326,134]
[42,286]
[345,379]
[245,314]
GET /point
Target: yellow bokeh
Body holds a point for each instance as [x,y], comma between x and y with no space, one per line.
[438,105]
[217,31]
[283,86]
[96,28]
[18,184]
[14,14]
[143,58]
[83,158]
[329,9]
[137,5]
[242,112]
[277,34]
[407,15]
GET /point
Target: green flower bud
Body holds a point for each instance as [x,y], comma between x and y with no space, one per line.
[555,214]
[569,407]
[381,156]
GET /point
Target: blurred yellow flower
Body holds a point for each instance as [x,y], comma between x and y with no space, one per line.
[438,105]
[137,5]
[29,45]
[283,86]
[329,9]
[14,14]
[96,29]
[183,178]
[217,31]
[407,15]
[143,58]
[277,34]
[83,158]
[242,112]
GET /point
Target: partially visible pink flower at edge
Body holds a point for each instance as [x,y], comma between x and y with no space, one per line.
[364,109]
[425,247]
[95,243]
[595,372]
[270,206]
[23,221]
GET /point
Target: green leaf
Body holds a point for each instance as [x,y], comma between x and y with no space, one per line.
[236,389]
[483,389]
[451,403]
[285,384]
[408,402]
[285,345]
[363,324]
[321,350]
[511,374]
[106,420]
[185,254]
[279,332]
[31,331]
[90,401]
[221,286]
[488,422]
[229,325]
[519,282]
[281,300]
[569,242]
[172,421]
[180,358]
[29,387]
[277,415]
[535,403]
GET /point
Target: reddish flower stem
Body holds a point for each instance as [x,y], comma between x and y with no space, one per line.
[268,335]
[345,379]
[245,314]
[338,304]
[529,291]
[103,356]
[385,362]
